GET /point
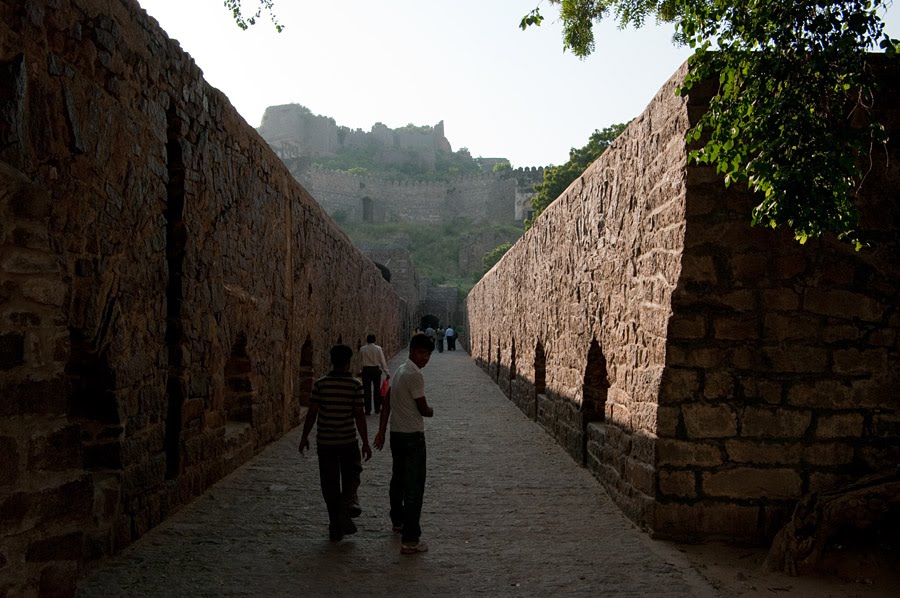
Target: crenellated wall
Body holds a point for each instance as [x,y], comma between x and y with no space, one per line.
[708,373]
[490,197]
[167,289]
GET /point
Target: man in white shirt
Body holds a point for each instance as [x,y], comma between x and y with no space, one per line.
[405,406]
[450,335]
[373,363]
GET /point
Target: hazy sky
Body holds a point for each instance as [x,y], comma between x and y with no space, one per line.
[500,91]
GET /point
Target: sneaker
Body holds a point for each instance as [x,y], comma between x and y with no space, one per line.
[354,510]
[413,548]
[349,528]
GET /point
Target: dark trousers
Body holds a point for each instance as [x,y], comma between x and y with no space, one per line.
[371,379]
[440,345]
[339,469]
[451,343]
[407,482]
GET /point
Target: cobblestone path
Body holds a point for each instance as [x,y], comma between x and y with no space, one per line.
[507,513]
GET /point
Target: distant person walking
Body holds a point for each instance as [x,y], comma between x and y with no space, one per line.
[404,407]
[450,335]
[336,403]
[429,332]
[439,335]
[373,364]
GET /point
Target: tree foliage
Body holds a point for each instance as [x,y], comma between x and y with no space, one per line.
[245,20]
[791,118]
[558,178]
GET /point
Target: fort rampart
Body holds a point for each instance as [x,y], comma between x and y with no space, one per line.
[707,372]
[489,197]
[167,289]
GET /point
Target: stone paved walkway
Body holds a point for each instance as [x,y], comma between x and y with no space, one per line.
[507,513]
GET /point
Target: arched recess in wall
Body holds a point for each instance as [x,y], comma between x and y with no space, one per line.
[512,369]
[540,377]
[93,403]
[239,390]
[428,320]
[596,384]
[368,209]
[594,391]
[305,373]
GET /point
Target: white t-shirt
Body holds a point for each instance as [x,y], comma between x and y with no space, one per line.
[407,385]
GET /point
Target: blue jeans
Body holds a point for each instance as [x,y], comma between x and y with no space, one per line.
[407,482]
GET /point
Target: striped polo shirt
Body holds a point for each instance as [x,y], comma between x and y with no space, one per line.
[336,394]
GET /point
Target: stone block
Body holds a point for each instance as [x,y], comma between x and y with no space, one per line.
[679,453]
[678,483]
[678,385]
[748,483]
[736,329]
[769,391]
[789,266]
[786,327]
[695,357]
[797,359]
[886,425]
[705,520]
[687,326]
[698,269]
[763,453]
[844,425]
[57,450]
[828,454]
[824,394]
[641,476]
[840,333]
[785,299]
[57,548]
[747,269]
[44,291]
[16,260]
[718,384]
[704,420]
[854,361]
[9,464]
[667,421]
[763,422]
[58,580]
[823,482]
[842,304]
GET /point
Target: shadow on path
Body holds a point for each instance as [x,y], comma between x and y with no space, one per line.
[507,513]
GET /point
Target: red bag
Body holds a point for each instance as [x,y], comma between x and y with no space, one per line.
[385,387]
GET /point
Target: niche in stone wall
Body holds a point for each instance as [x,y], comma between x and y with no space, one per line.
[305,373]
[176,244]
[540,377]
[596,384]
[239,385]
[93,404]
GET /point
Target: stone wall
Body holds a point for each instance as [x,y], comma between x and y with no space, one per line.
[706,372]
[167,289]
[479,198]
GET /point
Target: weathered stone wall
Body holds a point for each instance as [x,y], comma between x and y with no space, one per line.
[706,372]
[479,198]
[168,289]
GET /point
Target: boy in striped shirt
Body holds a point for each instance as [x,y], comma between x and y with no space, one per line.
[337,404]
